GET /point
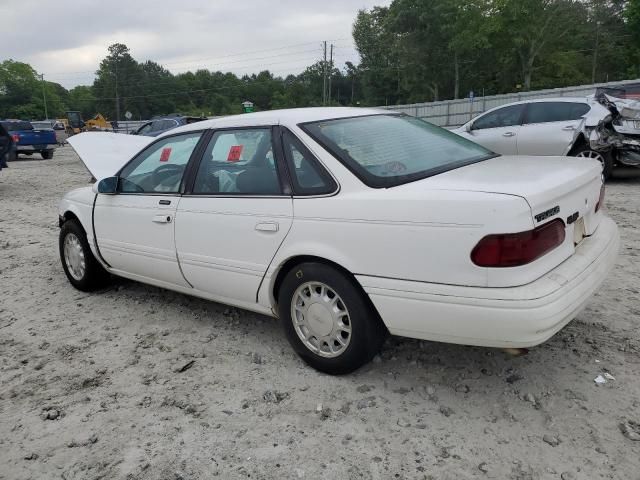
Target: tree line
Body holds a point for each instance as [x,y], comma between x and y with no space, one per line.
[410,51]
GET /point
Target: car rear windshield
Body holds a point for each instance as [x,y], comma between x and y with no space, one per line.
[389,150]
[15,126]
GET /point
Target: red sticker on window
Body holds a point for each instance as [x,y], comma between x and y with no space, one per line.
[234,153]
[166,153]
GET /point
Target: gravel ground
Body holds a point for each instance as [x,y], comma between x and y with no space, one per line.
[135,382]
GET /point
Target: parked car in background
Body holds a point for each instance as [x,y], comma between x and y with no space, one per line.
[57,126]
[346,223]
[549,127]
[159,125]
[29,140]
[7,147]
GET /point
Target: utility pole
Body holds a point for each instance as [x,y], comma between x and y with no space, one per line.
[330,74]
[595,53]
[324,76]
[117,97]
[44,98]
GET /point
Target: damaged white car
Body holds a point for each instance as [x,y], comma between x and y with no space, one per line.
[601,127]
[347,224]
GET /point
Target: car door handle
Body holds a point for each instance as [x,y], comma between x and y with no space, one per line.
[161,219]
[568,128]
[508,134]
[164,202]
[267,227]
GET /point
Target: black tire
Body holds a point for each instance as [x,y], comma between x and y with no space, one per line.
[367,331]
[605,158]
[13,155]
[93,276]
[47,154]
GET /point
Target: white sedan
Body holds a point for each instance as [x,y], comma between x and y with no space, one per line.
[347,224]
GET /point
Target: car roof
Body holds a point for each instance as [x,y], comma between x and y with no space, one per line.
[550,99]
[289,116]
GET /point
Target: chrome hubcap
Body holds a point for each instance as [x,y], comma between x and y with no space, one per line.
[74,256]
[321,319]
[592,154]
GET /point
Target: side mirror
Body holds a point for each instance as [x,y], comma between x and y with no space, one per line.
[106,186]
[468,127]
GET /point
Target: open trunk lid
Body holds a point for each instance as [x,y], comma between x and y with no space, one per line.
[105,153]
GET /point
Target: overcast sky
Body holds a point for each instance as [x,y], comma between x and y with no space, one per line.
[66,39]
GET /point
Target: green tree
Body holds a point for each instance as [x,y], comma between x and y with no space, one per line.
[20,91]
[117,86]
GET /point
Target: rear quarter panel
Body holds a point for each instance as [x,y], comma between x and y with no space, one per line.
[426,237]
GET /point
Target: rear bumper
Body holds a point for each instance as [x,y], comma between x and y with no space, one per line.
[498,317]
[35,148]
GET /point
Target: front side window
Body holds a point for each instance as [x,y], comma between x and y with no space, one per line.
[159,168]
[388,150]
[503,117]
[543,112]
[145,128]
[238,162]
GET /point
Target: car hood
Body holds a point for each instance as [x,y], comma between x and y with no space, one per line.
[105,153]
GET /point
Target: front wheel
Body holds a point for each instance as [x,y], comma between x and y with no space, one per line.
[605,159]
[47,154]
[328,321]
[82,269]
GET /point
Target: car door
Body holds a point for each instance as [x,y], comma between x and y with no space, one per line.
[550,128]
[498,129]
[135,227]
[234,216]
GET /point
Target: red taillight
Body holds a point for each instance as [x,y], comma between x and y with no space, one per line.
[16,138]
[601,198]
[515,249]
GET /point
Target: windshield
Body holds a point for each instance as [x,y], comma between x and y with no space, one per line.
[42,125]
[388,150]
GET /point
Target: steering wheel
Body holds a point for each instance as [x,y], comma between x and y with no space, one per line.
[163,172]
[395,167]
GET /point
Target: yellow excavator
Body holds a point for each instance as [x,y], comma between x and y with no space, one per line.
[75,124]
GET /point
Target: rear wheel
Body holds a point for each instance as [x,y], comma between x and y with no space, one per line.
[82,269]
[47,154]
[328,320]
[605,159]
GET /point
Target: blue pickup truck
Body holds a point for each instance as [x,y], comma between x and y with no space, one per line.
[29,140]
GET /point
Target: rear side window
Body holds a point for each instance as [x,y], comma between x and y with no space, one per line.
[307,174]
[503,117]
[544,112]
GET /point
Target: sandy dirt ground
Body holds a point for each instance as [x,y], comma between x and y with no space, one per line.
[91,385]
